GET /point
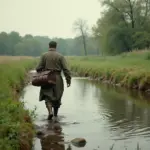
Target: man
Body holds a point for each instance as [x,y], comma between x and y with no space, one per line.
[52,94]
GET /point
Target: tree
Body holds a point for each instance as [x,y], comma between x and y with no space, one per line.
[141,40]
[19,49]
[28,36]
[4,50]
[80,25]
[132,12]
[14,38]
[13,44]
[124,25]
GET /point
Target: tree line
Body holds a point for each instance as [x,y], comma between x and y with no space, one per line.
[28,45]
[123,26]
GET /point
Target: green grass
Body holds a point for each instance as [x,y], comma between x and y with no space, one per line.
[16,129]
[131,70]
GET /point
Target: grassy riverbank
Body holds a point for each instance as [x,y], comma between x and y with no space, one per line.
[131,70]
[16,128]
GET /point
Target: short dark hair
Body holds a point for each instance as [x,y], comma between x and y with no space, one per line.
[52,44]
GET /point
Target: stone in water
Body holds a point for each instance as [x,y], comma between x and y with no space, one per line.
[79,142]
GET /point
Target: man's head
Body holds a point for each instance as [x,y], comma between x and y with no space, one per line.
[52,44]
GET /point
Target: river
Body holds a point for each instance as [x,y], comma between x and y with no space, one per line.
[100,113]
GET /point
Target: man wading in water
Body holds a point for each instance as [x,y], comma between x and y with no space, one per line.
[53,94]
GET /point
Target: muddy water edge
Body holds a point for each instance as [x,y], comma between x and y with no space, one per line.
[104,115]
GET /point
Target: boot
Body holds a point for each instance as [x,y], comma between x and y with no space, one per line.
[56,111]
[50,112]
[55,114]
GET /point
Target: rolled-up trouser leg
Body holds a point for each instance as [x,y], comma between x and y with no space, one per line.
[49,108]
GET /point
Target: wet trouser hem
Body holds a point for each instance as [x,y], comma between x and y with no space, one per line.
[54,104]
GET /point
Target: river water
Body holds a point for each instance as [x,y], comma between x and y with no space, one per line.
[100,113]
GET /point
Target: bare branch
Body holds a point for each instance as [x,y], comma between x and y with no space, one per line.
[81,26]
[147,9]
[118,10]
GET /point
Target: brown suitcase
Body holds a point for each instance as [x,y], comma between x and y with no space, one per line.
[43,78]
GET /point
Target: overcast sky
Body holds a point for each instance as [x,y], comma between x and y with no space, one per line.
[53,18]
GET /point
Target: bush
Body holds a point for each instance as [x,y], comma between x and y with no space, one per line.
[15,122]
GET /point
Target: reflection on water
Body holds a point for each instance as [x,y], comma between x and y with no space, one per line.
[52,137]
[101,114]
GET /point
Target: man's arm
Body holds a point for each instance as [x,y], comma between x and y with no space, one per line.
[66,71]
[41,64]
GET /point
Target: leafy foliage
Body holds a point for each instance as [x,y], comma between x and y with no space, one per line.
[14,44]
[15,124]
[124,26]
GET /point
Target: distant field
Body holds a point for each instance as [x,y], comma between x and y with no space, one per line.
[4,59]
[128,69]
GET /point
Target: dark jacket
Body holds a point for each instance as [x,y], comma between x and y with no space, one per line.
[54,60]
